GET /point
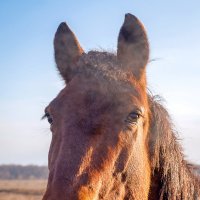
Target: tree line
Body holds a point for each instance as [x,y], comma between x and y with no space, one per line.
[10,172]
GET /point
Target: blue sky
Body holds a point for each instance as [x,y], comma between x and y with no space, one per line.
[29,79]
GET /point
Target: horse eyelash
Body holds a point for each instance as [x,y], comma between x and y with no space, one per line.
[44,116]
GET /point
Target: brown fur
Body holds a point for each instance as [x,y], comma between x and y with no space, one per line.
[110,140]
[100,121]
[90,105]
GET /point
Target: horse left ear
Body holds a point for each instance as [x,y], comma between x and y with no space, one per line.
[67,51]
[133,46]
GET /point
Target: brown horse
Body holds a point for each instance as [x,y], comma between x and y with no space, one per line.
[110,139]
[100,120]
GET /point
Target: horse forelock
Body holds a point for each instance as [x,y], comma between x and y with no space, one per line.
[177,180]
[102,64]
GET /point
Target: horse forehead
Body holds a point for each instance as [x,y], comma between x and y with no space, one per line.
[92,90]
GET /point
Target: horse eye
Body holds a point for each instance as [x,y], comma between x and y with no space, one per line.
[133,117]
[49,118]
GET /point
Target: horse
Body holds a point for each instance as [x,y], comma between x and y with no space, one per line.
[111,139]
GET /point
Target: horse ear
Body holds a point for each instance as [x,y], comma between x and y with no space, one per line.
[67,51]
[133,46]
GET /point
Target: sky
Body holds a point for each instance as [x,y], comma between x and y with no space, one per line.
[29,79]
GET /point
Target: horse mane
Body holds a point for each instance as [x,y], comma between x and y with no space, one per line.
[173,177]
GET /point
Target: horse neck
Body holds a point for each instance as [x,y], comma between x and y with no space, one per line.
[172,178]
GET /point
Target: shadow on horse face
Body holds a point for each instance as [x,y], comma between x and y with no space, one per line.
[99,121]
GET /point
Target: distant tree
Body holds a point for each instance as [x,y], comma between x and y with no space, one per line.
[23,172]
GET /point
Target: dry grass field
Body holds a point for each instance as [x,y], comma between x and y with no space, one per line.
[22,189]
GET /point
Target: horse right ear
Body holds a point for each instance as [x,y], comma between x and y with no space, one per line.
[67,51]
[133,47]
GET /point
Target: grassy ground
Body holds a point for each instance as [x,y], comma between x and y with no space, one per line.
[22,189]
